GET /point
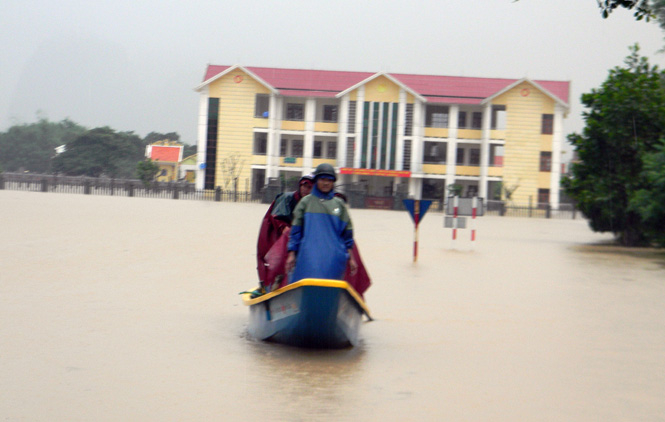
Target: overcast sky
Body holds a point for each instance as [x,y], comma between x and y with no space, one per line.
[132,65]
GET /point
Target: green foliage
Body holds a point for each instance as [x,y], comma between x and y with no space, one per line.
[188,150]
[624,123]
[146,171]
[155,137]
[649,201]
[30,147]
[641,7]
[101,151]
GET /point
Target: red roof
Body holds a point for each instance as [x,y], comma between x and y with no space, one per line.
[165,154]
[438,89]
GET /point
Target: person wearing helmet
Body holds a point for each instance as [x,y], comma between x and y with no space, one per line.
[273,235]
[321,238]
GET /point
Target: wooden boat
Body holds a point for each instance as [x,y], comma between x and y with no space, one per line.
[311,312]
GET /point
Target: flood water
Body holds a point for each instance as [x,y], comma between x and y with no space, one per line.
[127,309]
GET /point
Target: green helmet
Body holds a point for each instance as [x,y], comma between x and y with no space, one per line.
[324,169]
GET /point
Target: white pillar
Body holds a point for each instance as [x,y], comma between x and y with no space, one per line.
[415,184]
[202,137]
[360,107]
[401,122]
[308,147]
[342,127]
[484,150]
[557,141]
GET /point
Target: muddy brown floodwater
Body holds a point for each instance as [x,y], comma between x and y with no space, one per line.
[127,309]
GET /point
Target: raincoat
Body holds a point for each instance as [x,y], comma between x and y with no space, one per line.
[321,235]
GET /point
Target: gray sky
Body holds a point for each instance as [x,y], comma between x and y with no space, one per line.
[132,65]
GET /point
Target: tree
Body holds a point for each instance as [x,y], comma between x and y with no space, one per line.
[30,147]
[641,7]
[649,201]
[624,123]
[146,171]
[155,136]
[102,151]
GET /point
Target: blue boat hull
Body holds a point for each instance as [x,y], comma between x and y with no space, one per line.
[309,313]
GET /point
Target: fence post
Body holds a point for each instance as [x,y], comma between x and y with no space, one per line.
[175,191]
[530,199]
[44,184]
[574,212]
[218,194]
[130,189]
[2,181]
[548,210]
[502,209]
[86,186]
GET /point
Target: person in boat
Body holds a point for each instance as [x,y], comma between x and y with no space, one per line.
[321,238]
[273,236]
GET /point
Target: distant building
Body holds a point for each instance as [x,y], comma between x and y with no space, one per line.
[383,132]
[167,155]
[187,169]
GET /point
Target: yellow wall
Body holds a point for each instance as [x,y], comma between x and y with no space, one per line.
[293,125]
[382,89]
[236,116]
[467,170]
[317,161]
[170,172]
[436,132]
[469,134]
[525,105]
[326,127]
[434,168]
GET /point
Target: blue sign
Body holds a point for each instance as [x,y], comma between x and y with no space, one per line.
[417,208]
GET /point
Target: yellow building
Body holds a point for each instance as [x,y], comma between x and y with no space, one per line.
[383,132]
[167,155]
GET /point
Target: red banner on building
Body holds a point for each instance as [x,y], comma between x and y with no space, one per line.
[375,172]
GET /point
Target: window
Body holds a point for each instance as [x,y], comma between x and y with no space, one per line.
[436,116]
[461,120]
[477,120]
[330,113]
[460,156]
[474,157]
[295,111]
[332,149]
[498,117]
[260,143]
[435,153]
[548,124]
[262,105]
[282,147]
[296,148]
[496,155]
[545,161]
[318,146]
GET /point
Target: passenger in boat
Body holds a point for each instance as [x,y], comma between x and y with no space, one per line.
[321,239]
[274,233]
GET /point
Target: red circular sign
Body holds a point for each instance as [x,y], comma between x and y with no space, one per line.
[525,92]
[237,79]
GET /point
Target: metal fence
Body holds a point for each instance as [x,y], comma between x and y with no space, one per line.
[119,187]
[540,210]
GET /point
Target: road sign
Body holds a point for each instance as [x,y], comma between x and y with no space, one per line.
[417,209]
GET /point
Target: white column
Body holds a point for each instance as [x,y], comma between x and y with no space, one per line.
[341,131]
[272,149]
[484,150]
[401,122]
[557,142]
[451,151]
[360,107]
[276,104]
[415,184]
[308,148]
[201,142]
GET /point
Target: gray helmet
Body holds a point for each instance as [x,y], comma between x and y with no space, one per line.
[324,169]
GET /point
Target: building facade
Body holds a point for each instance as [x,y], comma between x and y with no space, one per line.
[384,132]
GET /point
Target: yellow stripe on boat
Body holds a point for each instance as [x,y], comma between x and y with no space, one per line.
[320,282]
